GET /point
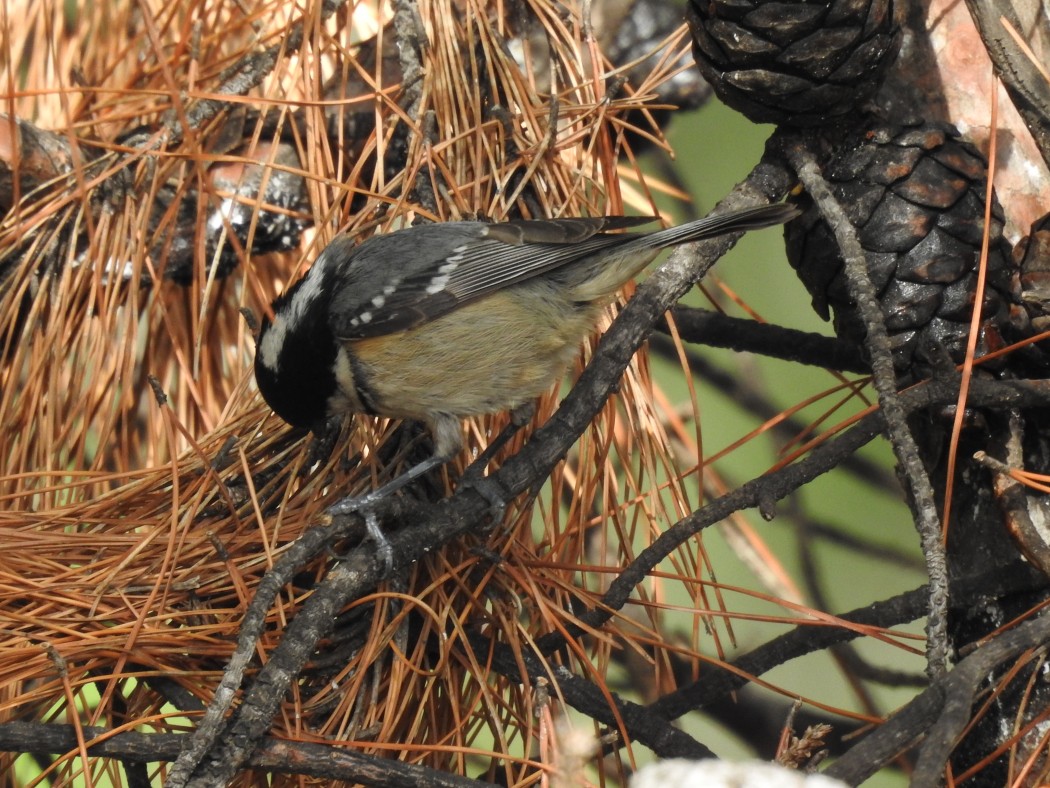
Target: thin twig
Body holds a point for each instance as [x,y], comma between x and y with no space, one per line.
[306,759]
[940,714]
[715,329]
[906,450]
[245,74]
[765,491]
[307,546]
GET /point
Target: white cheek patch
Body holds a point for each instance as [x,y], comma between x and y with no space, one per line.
[269,350]
[341,401]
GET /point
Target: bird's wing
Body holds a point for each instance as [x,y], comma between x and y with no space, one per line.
[401,280]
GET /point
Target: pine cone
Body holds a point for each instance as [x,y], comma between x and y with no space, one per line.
[630,30]
[238,194]
[916,197]
[1032,254]
[797,63]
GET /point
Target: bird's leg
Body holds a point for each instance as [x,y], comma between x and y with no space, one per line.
[489,489]
[357,503]
[365,505]
[519,417]
[447,443]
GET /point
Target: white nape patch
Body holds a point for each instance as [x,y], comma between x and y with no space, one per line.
[293,314]
[310,290]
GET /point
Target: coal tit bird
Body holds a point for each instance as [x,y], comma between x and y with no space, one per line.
[438,322]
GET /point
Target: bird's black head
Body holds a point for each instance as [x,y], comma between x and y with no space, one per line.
[296,354]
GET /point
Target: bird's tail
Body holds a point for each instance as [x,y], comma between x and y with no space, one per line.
[618,258]
[710,226]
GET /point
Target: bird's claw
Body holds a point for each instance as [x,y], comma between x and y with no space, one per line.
[365,506]
[489,488]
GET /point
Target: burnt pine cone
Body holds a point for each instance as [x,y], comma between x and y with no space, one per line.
[631,31]
[1032,255]
[916,197]
[796,63]
[237,194]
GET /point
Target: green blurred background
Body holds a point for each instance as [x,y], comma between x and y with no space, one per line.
[715,148]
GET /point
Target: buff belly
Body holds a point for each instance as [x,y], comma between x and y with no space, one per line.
[488,356]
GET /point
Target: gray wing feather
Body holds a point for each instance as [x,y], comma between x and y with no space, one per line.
[401,280]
